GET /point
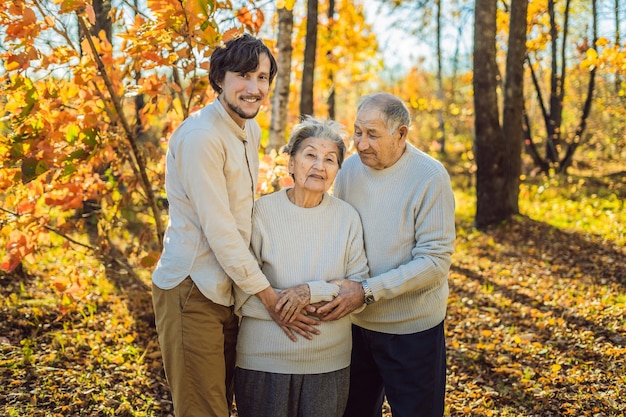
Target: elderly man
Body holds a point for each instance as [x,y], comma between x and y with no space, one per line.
[406,204]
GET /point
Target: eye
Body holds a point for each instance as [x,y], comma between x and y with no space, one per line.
[357,133]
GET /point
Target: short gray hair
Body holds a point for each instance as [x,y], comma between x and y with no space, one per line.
[311,127]
[393,110]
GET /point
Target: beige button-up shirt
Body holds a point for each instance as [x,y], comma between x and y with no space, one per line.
[210,179]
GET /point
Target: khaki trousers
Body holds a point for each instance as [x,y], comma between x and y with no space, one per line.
[197,339]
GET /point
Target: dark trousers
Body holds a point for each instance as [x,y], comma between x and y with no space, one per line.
[409,369]
[266,394]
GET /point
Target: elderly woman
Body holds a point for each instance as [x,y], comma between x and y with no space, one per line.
[302,238]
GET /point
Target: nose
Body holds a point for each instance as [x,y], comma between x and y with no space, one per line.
[318,164]
[362,143]
[252,85]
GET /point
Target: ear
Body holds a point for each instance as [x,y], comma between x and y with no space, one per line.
[404,132]
[290,166]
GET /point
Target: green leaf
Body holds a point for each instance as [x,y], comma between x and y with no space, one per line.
[73,131]
[32,168]
[90,137]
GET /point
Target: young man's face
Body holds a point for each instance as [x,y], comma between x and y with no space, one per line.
[242,94]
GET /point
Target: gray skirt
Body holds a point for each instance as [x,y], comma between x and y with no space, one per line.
[266,394]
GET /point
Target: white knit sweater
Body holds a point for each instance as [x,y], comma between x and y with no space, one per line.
[407,212]
[296,245]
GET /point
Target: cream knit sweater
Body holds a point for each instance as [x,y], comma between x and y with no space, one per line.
[407,212]
[296,245]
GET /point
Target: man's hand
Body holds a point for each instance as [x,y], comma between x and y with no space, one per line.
[292,301]
[312,309]
[302,324]
[351,296]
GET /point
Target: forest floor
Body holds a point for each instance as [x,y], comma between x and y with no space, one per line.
[536,322]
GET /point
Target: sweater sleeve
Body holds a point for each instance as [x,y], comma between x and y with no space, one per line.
[200,164]
[431,255]
[322,291]
[356,268]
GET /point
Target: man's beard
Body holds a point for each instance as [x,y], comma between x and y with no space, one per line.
[239,111]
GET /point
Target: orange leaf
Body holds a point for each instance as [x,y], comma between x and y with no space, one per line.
[91,15]
[25,207]
[28,17]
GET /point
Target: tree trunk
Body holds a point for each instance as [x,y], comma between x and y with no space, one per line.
[556,141]
[280,100]
[567,160]
[331,76]
[306,98]
[618,78]
[488,141]
[440,92]
[101,9]
[513,112]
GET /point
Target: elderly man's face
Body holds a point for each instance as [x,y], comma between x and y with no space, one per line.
[378,148]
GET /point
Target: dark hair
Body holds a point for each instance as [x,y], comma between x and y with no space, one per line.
[240,54]
[393,110]
[311,127]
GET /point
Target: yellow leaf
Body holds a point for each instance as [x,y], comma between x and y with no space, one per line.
[556,367]
[602,42]
[592,54]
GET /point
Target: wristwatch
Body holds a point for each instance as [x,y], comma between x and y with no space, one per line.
[369,295]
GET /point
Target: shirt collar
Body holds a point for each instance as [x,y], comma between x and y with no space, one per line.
[232,125]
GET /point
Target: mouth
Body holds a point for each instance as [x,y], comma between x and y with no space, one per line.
[251,100]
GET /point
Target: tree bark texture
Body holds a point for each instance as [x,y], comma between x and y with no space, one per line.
[513,111]
[308,71]
[280,99]
[488,140]
[331,76]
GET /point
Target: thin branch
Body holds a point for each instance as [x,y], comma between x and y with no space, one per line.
[95,250]
[129,133]
[52,229]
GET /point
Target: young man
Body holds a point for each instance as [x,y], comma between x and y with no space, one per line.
[211,176]
[406,204]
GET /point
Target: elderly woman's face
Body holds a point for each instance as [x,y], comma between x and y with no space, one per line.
[315,165]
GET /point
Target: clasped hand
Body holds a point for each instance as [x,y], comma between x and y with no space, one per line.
[294,303]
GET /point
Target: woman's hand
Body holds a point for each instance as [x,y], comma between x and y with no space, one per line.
[292,301]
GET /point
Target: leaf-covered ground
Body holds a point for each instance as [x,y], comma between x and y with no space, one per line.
[536,327]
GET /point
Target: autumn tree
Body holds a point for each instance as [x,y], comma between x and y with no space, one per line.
[434,23]
[498,148]
[353,63]
[560,146]
[70,111]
